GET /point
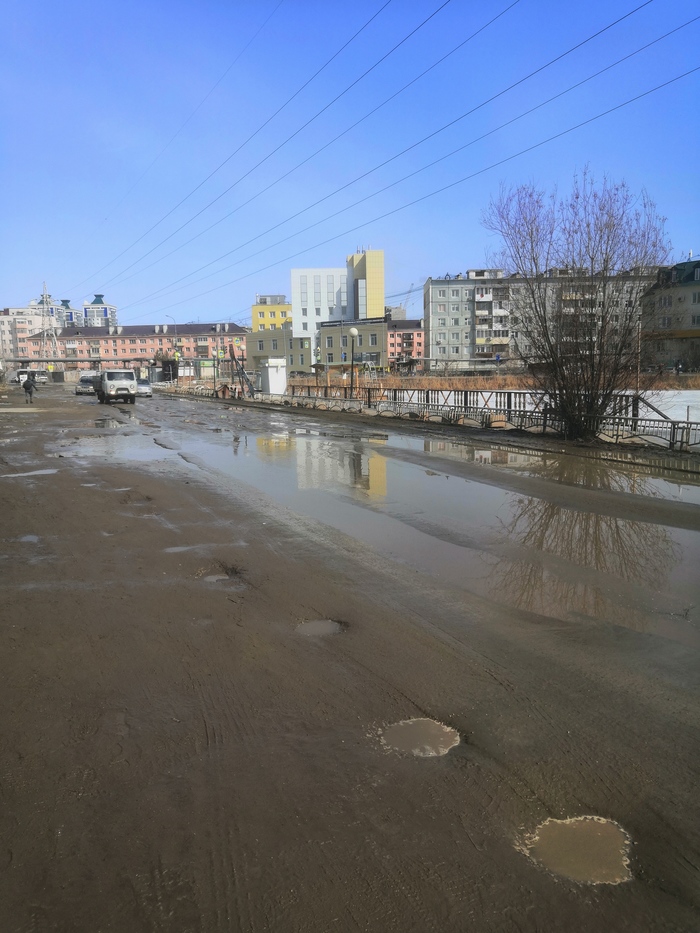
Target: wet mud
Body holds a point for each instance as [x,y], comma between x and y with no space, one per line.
[179,755]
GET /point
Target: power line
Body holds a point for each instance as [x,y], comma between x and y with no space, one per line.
[308,159]
[271,153]
[444,188]
[417,171]
[245,142]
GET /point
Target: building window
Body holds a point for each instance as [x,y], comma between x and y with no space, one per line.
[291,344]
[695,320]
[304,312]
[455,335]
[291,360]
[373,340]
[442,293]
[301,359]
[359,340]
[304,326]
[454,349]
[261,314]
[318,312]
[344,340]
[261,345]
[696,296]
[329,343]
[329,357]
[274,344]
[455,322]
[273,314]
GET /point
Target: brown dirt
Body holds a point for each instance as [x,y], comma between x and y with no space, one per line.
[178,757]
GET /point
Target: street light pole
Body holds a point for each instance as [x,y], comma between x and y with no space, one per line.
[353,333]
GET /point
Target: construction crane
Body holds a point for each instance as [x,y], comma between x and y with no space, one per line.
[245,382]
[408,297]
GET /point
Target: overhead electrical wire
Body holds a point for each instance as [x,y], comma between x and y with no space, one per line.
[158,292]
[436,132]
[423,168]
[308,159]
[444,188]
[282,144]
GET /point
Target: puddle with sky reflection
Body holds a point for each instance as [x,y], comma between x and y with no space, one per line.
[507,546]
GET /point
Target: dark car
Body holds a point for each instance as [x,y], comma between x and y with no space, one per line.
[85,386]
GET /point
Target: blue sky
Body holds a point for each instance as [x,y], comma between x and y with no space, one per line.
[112,114]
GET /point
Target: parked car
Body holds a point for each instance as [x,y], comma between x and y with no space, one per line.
[85,386]
[143,389]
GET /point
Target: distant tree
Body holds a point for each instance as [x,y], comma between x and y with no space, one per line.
[579,266]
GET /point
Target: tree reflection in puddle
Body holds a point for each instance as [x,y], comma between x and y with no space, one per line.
[574,563]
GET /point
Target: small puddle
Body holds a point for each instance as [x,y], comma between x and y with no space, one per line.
[216,578]
[320,627]
[32,473]
[424,738]
[107,423]
[180,548]
[29,539]
[587,849]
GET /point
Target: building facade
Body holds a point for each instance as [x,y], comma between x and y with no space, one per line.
[671,315]
[467,321]
[340,296]
[270,312]
[365,270]
[138,344]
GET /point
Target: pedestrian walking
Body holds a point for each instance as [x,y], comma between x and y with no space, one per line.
[30,388]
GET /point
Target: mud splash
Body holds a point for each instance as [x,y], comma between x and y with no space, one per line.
[587,849]
[424,738]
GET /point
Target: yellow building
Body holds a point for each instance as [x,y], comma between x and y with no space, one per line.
[270,312]
[367,268]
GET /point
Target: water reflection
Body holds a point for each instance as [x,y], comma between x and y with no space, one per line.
[584,563]
[325,464]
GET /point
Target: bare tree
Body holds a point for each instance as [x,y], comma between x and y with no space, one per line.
[579,268]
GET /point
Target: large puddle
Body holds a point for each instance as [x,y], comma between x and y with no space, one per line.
[403,496]
[586,849]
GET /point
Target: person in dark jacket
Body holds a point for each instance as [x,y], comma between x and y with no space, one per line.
[29,386]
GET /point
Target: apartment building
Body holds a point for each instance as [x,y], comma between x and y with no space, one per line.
[270,312]
[43,316]
[671,316]
[140,344]
[467,320]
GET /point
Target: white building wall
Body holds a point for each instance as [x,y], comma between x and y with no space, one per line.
[319,295]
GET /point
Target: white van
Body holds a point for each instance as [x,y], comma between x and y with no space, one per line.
[114,384]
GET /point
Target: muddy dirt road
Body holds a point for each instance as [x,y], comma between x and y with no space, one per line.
[183,751]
